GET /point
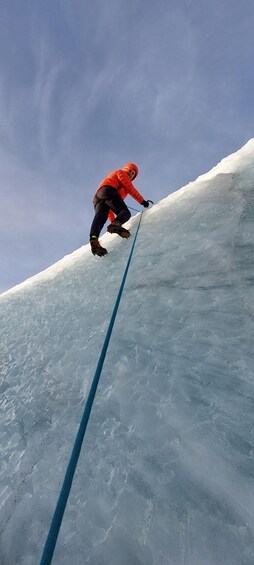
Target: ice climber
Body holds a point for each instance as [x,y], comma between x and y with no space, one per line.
[109,204]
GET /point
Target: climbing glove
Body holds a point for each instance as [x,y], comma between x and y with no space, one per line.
[145,203]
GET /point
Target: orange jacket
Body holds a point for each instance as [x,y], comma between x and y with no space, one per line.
[120,180]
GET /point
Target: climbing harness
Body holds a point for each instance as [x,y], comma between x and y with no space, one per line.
[66,487]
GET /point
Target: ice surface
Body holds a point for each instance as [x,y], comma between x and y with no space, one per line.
[166,474]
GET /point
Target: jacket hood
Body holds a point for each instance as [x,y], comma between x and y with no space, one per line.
[130,166]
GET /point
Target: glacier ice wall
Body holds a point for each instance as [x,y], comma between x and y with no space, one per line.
[166,470]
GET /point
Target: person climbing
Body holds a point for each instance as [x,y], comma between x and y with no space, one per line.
[109,204]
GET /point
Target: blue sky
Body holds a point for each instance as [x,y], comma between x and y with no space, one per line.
[86,86]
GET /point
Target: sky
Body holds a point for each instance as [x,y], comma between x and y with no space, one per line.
[86,86]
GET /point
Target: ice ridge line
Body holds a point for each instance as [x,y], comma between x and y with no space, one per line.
[50,544]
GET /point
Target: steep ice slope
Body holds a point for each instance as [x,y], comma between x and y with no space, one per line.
[166,471]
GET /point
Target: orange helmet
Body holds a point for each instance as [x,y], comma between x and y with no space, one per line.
[131,166]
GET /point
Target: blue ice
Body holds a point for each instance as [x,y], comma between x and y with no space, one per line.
[166,473]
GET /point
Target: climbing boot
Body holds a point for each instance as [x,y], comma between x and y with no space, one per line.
[96,248]
[116,227]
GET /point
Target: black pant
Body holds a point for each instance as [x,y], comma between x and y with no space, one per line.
[107,198]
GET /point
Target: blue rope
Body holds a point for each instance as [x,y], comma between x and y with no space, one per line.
[65,491]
